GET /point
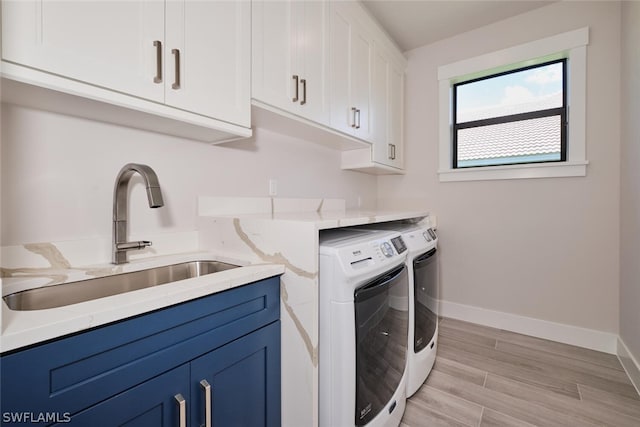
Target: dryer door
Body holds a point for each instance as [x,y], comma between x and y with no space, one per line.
[381,335]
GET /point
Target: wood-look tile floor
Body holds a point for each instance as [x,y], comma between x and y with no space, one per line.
[489,377]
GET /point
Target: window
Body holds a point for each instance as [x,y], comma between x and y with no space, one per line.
[515,113]
[513,117]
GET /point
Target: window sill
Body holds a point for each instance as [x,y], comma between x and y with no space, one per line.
[540,170]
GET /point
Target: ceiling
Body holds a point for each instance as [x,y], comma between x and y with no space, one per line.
[414,23]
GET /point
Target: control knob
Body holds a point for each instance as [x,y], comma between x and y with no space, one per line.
[387,249]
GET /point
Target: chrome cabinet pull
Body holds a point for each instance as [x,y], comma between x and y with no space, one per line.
[392,151]
[354,110]
[295,98]
[176,55]
[358,113]
[304,91]
[182,406]
[207,402]
[158,76]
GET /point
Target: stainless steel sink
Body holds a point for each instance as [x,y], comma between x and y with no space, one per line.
[86,290]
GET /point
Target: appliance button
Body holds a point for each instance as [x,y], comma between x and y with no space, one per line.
[432,233]
[426,236]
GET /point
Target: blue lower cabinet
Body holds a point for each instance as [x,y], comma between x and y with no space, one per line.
[243,380]
[129,373]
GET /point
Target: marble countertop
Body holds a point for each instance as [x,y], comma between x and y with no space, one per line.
[23,328]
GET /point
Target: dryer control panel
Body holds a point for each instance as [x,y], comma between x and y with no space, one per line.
[429,235]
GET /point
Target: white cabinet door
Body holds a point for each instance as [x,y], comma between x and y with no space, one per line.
[342,117]
[386,109]
[105,43]
[290,56]
[379,102]
[273,52]
[208,56]
[361,53]
[396,115]
[313,54]
[351,52]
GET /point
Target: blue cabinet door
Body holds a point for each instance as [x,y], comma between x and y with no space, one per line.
[150,404]
[244,376]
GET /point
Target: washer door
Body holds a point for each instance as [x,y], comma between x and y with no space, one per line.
[425,292]
[381,336]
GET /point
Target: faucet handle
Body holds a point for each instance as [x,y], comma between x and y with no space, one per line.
[127,246]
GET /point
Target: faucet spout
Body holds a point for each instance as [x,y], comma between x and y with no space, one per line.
[121,208]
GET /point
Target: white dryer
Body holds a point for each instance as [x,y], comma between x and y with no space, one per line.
[364,315]
[421,241]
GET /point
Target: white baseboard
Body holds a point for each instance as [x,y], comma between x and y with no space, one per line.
[629,363]
[574,335]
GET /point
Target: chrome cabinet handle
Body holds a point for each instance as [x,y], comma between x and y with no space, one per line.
[207,402]
[182,406]
[158,76]
[295,98]
[358,113]
[176,82]
[354,110]
[392,151]
[304,91]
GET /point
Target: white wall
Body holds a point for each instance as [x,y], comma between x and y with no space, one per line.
[58,174]
[630,181]
[542,248]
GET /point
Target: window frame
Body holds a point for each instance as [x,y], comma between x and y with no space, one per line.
[537,114]
[572,46]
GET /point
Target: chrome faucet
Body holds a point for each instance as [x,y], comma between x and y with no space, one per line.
[121,208]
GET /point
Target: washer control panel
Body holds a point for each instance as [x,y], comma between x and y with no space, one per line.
[363,250]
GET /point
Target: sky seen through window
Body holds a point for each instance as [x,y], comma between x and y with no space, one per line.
[522,91]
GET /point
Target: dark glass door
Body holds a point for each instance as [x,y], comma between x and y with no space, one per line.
[381,335]
[425,292]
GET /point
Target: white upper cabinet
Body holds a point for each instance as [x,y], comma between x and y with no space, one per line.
[367,96]
[208,58]
[290,57]
[108,44]
[191,58]
[380,108]
[387,109]
[351,55]
[395,116]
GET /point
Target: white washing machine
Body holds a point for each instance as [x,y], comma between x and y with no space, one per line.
[421,241]
[364,320]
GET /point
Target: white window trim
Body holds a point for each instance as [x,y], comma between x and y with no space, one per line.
[572,45]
